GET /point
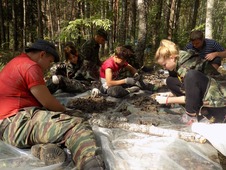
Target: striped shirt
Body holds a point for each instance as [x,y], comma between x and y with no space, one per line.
[209,46]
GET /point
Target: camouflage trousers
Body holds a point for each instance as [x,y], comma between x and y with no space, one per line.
[34,126]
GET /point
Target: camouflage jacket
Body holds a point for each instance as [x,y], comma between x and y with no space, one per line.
[90,52]
[214,95]
[188,60]
[215,92]
[65,69]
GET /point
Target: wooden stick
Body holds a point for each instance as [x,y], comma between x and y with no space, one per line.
[149,129]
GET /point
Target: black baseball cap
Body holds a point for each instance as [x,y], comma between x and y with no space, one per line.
[46,46]
[102,33]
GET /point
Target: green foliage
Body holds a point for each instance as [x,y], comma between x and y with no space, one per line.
[72,30]
[6,56]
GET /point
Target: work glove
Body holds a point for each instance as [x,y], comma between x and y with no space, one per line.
[137,76]
[164,94]
[95,92]
[161,99]
[55,79]
[130,80]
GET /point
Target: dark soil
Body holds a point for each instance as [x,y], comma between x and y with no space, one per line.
[91,105]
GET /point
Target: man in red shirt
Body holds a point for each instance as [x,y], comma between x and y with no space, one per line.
[31,116]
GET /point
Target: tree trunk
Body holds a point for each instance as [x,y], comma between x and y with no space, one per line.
[24,23]
[122,23]
[195,14]
[2,29]
[156,30]
[110,37]
[132,20]
[142,31]
[15,27]
[172,19]
[40,25]
[209,20]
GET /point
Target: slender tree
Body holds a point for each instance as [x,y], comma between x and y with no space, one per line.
[142,31]
[209,20]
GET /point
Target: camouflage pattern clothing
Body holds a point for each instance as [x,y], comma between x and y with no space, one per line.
[214,95]
[32,126]
[90,52]
[91,60]
[188,60]
[69,79]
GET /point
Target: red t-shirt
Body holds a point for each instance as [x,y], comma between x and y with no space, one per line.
[110,63]
[16,79]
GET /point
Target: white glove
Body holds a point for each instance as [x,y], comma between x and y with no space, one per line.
[55,79]
[161,99]
[165,94]
[95,92]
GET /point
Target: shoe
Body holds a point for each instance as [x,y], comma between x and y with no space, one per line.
[48,153]
[188,120]
[133,89]
[95,163]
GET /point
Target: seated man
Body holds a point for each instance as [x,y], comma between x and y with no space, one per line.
[31,116]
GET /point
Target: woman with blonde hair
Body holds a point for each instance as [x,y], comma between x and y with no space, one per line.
[197,89]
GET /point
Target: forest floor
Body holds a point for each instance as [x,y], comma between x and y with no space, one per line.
[119,119]
[138,108]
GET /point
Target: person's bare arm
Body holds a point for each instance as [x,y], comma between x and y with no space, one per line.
[161,99]
[131,69]
[110,82]
[179,100]
[42,94]
[211,56]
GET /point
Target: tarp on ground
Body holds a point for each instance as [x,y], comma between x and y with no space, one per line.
[123,149]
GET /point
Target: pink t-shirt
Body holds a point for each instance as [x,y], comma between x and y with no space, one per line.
[16,79]
[110,63]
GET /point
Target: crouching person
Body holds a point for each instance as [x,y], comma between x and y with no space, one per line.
[31,117]
[202,93]
[110,70]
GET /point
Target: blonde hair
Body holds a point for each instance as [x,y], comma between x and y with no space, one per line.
[166,49]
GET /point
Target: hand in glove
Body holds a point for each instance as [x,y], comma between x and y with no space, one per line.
[136,76]
[161,99]
[95,92]
[164,94]
[130,80]
[55,79]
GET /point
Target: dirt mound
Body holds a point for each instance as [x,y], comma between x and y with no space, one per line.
[91,105]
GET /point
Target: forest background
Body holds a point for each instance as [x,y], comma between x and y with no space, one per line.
[140,23]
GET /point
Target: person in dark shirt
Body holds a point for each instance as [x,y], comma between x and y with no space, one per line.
[208,49]
[62,73]
[90,55]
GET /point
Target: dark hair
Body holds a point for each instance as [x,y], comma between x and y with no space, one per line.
[122,52]
[68,50]
[129,47]
[101,32]
[196,35]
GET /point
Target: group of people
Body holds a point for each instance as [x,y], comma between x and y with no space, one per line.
[188,82]
[30,116]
